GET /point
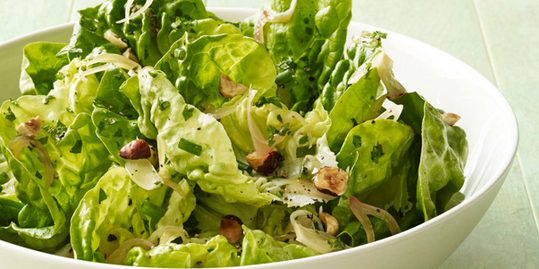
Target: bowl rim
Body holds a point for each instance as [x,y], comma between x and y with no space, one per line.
[468,202]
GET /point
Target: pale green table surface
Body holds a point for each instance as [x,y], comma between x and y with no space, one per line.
[499,38]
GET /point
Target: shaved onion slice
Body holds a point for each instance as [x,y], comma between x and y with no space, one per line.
[393,113]
[283,16]
[309,236]
[360,214]
[166,234]
[20,142]
[269,16]
[143,174]
[219,113]
[118,256]
[361,211]
[128,5]
[259,142]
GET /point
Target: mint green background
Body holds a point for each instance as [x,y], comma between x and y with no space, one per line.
[499,38]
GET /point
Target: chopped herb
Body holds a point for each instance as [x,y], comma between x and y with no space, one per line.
[356,139]
[102,195]
[4,178]
[163,104]
[118,133]
[48,98]
[77,148]
[303,140]
[187,112]
[376,153]
[269,100]
[190,147]
[38,175]
[43,140]
[304,151]
[10,116]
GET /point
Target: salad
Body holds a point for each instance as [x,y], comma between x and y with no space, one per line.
[164,136]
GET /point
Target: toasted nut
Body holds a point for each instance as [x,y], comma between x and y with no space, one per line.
[450,118]
[330,223]
[135,150]
[331,180]
[229,88]
[264,164]
[231,228]
[30,128]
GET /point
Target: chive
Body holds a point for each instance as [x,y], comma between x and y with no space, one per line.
[304,151]
[190,147]
[244,167]
[356,140]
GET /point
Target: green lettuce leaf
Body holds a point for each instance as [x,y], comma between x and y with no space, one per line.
[375,152]
[217,252]
[259,247]
[443,150]
[360,96]
[39,67]
[306,48]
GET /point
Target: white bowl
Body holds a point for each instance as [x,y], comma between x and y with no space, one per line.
[445,81]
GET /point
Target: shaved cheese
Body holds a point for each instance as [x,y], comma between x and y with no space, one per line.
[384,65]
[116,59]
[115,40]
[393,113]
[129,17]
[143,174]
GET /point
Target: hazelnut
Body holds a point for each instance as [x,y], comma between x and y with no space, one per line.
[229,88]
[330,223]
[30,128]
[450,118]
[331,180]
[135,150]
[231,228]
[264,164]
